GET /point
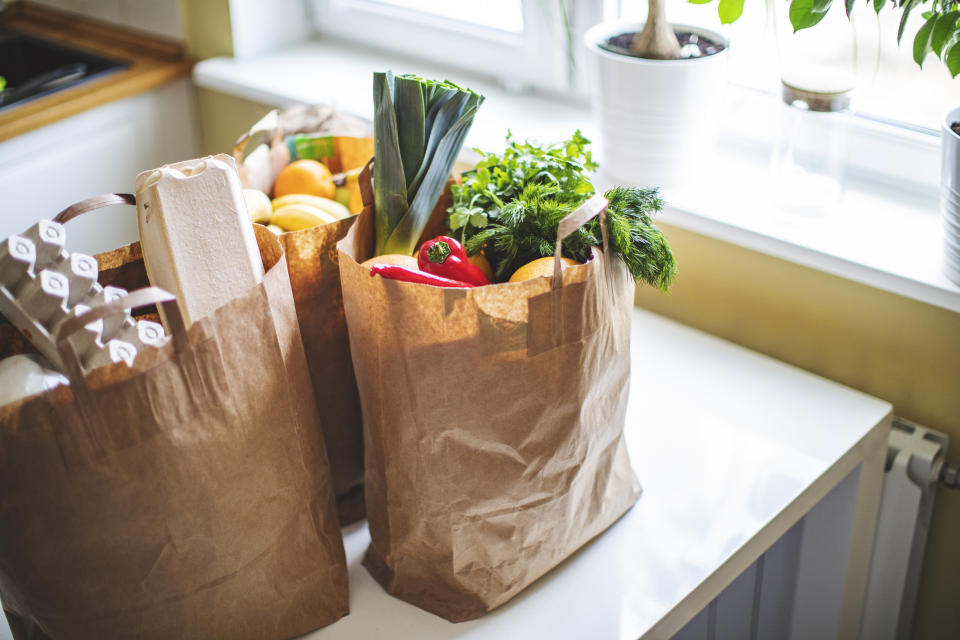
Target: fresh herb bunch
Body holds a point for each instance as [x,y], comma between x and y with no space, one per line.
[511,203]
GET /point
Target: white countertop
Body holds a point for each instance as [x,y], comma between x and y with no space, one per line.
[732,449]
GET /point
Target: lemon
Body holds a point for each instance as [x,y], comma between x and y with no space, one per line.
[480,262]
[305,176]
[539,267]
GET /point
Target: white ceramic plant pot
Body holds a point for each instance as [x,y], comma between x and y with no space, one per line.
[658,118]
[950,195]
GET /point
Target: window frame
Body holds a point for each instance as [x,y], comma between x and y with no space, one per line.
[880,149]
[516,60]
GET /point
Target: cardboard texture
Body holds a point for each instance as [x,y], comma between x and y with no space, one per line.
[315,278]
[493,424]
[187,497]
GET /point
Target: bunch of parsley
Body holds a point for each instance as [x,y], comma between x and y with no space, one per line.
[510,204]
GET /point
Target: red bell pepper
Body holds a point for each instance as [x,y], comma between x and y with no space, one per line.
[396,272]
[444,256]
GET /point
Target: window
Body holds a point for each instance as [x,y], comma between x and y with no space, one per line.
[526,42]
[536,44]
[519,42]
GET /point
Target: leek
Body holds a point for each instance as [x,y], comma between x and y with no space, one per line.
[419,128]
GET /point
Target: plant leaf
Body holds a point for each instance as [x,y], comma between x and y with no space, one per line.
[730,11]
[907,8]
[951,58]
[389,185]
[921,43]
[945,26]
[849,7]
[878,5]
[806,13]
[410,110]
[699,1]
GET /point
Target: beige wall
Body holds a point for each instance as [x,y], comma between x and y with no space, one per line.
[224,118]
[206,28]
[903,351]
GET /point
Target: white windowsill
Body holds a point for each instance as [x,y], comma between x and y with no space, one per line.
[884,237]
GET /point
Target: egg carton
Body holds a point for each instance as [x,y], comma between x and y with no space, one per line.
[42,286]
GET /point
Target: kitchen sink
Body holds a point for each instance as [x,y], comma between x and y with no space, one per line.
[34,67]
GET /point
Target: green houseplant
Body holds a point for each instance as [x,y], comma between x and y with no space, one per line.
[940,33]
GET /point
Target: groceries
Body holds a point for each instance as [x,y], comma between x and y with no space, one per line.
[406,274]
[292,212]
[306,193]
[305,176]
[444,256]
[258,205]
[332,208]
[508,209]
[42,286]
[197,238]
[539,268]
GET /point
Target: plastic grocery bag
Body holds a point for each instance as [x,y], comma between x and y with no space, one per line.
[493,421]
[188,496]
[315,278]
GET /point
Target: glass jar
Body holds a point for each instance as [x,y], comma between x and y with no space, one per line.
[810,150]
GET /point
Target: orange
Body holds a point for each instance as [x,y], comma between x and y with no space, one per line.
[480,262]
[539,267]
[392,258]
[305,176]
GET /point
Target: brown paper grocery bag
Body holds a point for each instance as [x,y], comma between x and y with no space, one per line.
[186,497]
[493,423]
[315,278]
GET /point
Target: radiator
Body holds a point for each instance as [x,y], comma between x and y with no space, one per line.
[795,590]
[914,461]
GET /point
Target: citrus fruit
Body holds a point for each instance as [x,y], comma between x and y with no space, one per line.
[480,262]
[392,258]
[305,176]
[539,267]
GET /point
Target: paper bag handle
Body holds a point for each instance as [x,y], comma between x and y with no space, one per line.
[596,205]
[139,298]
[365,184]
[269,122]
[96,202]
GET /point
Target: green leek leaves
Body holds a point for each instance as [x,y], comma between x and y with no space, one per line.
[419,128]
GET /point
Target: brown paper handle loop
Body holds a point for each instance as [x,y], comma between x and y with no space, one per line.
[365,183]
[276,135]
[595,206]
[139,298]
[97,202]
